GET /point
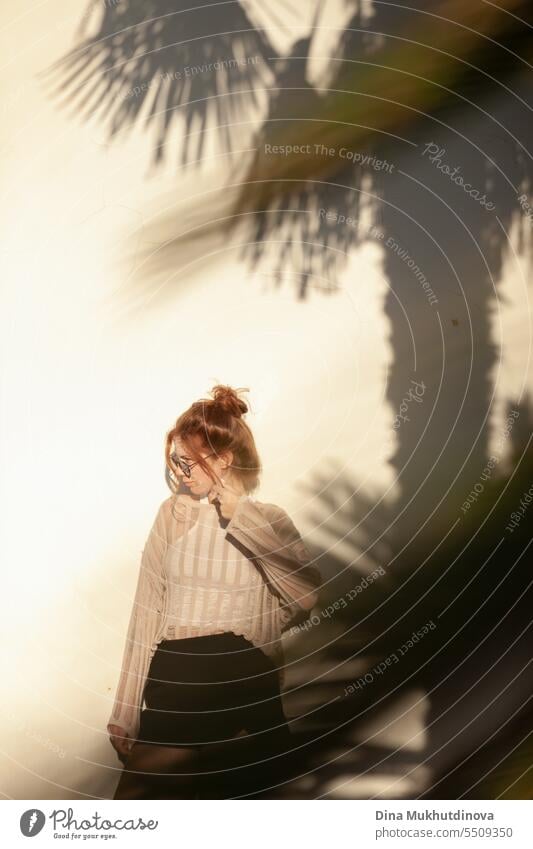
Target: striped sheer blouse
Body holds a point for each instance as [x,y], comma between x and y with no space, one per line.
[202,574]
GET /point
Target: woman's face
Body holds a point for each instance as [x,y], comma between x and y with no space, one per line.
[199,484]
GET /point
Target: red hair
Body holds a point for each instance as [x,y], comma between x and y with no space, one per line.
[217,424]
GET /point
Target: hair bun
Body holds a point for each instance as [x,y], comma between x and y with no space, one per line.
[227,399]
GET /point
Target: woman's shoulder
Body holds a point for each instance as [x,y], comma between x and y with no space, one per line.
[166,504]
[278,517]
[174,508]
[179,506]
[266,505]
[268,509]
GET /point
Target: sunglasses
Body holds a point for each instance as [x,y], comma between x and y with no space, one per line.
[185,467]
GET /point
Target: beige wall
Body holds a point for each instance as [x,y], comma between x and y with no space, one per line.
[90,385]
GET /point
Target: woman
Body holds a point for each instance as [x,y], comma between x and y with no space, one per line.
[222,574]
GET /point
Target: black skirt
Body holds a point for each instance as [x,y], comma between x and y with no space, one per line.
[205,690]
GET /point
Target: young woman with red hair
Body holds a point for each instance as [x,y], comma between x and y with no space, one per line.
[222,574]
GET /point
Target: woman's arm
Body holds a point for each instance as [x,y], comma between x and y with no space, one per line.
[269,533]
[143,625]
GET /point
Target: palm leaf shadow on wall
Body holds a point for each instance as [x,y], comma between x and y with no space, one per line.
[467,108]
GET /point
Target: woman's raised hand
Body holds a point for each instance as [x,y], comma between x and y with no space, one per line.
[227,495]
